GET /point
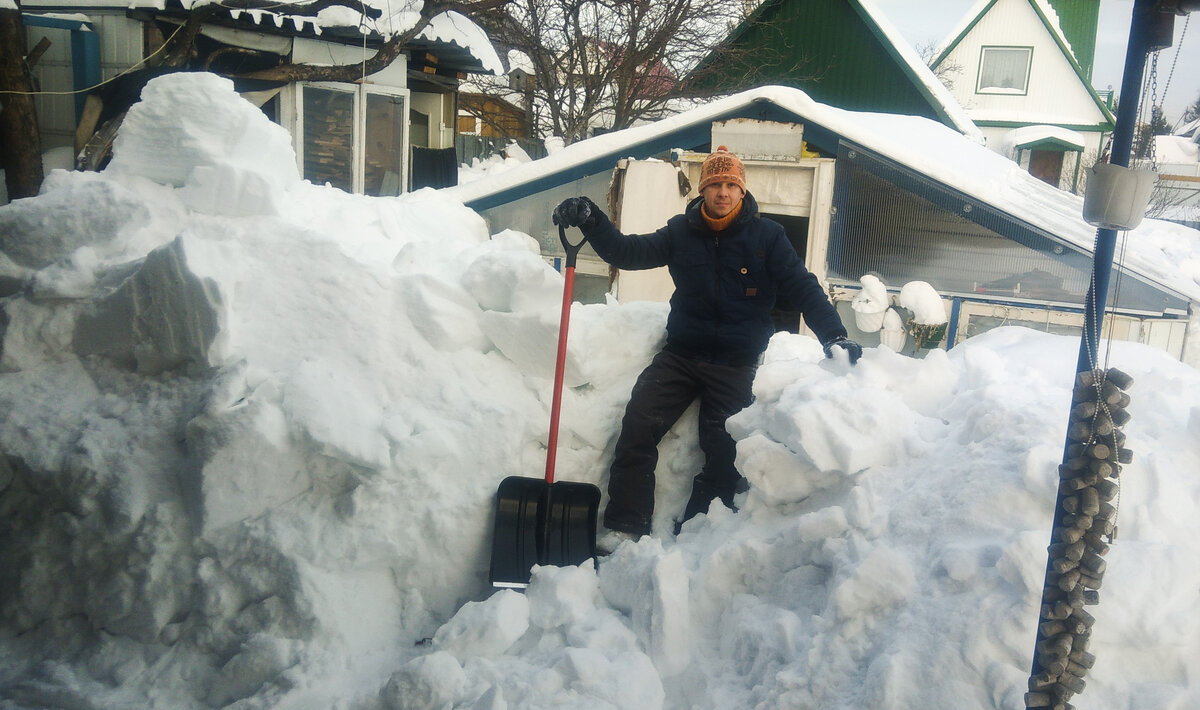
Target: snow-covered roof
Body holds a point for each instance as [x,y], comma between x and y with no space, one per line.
[920,144]
[449,28]
[1176,149]
[921,72]
[1030,135]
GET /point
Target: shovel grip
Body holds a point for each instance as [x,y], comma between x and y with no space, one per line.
[572,250]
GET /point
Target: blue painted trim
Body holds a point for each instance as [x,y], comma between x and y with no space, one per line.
[85,52]
[57,23]
[85,65]
[952,329]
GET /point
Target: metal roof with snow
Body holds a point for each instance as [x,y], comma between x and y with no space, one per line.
[845,53]
[935,161]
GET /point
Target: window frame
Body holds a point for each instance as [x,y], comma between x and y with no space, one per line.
[359,93]
[998,90]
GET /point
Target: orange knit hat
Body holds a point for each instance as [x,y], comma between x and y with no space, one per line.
[722,166]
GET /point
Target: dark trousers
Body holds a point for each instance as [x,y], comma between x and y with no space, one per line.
[668,385]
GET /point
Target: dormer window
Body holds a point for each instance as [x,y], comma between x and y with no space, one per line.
[1004,70]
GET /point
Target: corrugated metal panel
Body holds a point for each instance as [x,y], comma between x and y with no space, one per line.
[834,57]
[121,42]
[52,73]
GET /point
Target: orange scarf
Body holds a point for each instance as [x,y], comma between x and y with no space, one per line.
[719,224]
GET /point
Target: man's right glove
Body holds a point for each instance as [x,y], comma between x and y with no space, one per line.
[575,212]
[853,349]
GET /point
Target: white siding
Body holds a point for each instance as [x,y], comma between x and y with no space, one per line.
[121,43]
[1056,95]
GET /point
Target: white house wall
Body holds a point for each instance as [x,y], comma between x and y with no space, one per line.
[1056,95]
[441,126]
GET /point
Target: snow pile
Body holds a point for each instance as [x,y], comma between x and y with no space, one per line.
[923,300]
[248,460]
[235,165]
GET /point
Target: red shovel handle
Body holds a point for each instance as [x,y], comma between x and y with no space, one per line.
[560,365]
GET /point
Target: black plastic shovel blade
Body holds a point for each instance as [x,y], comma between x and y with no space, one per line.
[571,511]
[541,523]
[515,537]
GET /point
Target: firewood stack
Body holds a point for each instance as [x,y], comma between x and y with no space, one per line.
[1085,522]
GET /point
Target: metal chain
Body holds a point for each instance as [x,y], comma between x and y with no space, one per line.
[1175,60]
[1152,152]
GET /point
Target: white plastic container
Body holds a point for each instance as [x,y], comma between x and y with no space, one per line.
[1117,196]
[893,333]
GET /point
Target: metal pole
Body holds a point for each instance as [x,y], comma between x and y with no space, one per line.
[1140,35]
[1145,22]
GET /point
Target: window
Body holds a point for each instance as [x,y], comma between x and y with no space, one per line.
[384,145]
[328,144]
[901,236]
[1004,70]
[353,137]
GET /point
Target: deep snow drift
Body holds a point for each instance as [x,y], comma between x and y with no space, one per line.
[252,431]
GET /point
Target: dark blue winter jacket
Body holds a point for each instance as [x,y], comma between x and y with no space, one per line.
[725,282]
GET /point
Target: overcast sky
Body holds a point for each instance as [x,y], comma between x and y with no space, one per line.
[929,21]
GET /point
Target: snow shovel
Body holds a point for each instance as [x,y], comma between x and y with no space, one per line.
[543,521]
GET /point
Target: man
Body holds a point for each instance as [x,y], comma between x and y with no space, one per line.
[728,264]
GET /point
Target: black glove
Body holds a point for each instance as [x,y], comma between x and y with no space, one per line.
[575,212]
[853,349]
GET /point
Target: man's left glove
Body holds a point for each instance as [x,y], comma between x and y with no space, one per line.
[853,349]
[575,212]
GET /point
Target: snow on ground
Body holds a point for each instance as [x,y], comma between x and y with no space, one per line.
[251,447]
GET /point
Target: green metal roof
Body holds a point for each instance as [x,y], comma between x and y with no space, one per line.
[1079,20]
[838,56]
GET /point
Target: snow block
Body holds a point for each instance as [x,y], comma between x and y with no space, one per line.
[443,313]
[883,580]
[162,317]
[486,628]
[433,681]
[189,120]
[241,461]
[530,341]
[37,232]
[652,587]
[627,681]
[261,659]
[562,596]
[777,474]
[503,277]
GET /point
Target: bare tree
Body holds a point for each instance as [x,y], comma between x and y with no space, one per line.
[20,142]
[1143,139]
[612,63]
[946,71]
[1192,112]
